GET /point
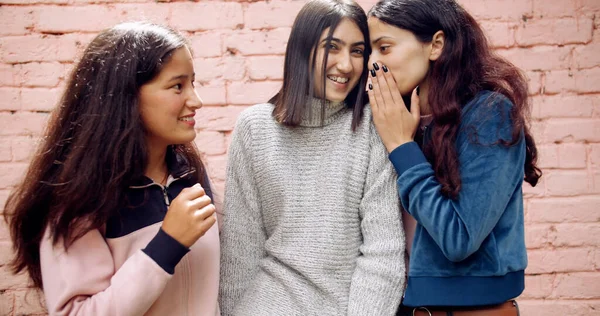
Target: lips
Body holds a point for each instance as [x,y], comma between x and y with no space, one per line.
[338,79]
[188,119]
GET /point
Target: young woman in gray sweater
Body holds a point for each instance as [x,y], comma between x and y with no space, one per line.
[311,220]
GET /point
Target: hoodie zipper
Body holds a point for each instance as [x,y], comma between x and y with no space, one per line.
[163,188]
[165,195]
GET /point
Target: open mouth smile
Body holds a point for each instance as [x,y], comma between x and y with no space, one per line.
[337,79]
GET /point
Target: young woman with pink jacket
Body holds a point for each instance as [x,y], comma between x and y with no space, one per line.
[114,215]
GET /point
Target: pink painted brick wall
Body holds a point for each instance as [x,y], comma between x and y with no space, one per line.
[239,46]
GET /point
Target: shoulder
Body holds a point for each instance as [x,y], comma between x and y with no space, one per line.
[254,120]
[488,116]
[366,122]
[368,127]
[256,112]
[487,105]
[256,115]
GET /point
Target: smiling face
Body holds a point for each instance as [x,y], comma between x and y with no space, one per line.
[169,101]
[407,58]
[345,62]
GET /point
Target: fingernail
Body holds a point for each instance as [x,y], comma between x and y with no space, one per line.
[370,86]
[417,90]
[375,66]
[384,68]
[373,72]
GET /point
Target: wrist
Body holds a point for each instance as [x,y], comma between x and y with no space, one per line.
[165,251]
[175,236]
[399,142]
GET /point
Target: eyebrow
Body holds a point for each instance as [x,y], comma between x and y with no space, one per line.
[380,38]
[181,77]
[337,40]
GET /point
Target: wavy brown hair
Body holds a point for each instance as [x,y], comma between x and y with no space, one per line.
[466,66]
[94,144]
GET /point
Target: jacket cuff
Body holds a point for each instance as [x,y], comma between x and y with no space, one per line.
[165,251]
[406,156]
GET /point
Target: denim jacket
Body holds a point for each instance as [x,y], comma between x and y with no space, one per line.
[469,250]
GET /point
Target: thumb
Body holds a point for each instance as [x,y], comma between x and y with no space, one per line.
[415,108]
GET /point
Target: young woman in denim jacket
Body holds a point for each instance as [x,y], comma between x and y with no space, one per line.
[453,117]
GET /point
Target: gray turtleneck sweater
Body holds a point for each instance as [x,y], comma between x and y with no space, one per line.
[311,222]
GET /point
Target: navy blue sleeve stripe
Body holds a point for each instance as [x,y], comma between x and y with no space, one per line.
[165,251]
[406,156]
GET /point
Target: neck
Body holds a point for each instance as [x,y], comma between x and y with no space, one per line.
[424,98]
[157,164]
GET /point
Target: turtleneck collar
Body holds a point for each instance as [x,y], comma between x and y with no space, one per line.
[312,115]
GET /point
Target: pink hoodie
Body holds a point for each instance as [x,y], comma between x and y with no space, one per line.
[100,276]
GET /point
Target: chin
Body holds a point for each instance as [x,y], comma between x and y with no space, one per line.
[336,97]
[406,93]
[185,140]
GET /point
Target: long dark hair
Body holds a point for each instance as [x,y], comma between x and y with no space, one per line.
[94,144]
[292,100]
[466,66]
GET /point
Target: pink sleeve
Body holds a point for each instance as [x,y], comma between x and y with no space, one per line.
[83,280]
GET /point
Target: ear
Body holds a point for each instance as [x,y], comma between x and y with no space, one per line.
[437,45]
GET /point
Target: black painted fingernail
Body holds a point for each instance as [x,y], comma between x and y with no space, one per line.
[373,72]
[370,86]
[384,68]
[375,66]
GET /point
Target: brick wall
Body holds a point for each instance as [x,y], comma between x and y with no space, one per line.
[238,48]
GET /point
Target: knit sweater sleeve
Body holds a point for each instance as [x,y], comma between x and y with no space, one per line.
[378,279]
[242,232]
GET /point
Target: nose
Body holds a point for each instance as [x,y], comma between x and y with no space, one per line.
[194,101]
[344,64]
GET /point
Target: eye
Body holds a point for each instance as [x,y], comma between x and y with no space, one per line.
[178,86]
[358,51]
[383,49]
[332,46]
